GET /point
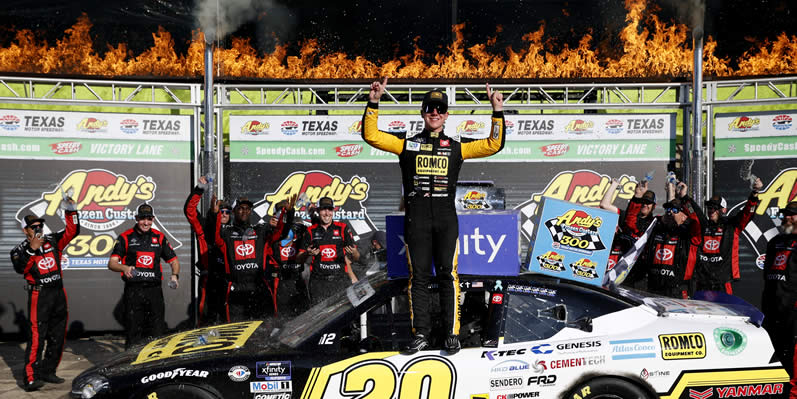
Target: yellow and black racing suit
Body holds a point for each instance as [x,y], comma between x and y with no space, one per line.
[430,164]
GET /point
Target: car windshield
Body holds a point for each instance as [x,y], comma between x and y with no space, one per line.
[295,331]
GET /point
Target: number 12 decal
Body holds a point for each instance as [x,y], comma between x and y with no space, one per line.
[327,339]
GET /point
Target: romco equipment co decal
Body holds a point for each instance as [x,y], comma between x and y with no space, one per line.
[349,197]
[106,202]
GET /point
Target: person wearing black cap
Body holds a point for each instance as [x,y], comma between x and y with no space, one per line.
[637,219]
[290,291]
[248,294]
[38,259]
[136,255]
[430,162]
[671,251]
[779,298]
[328,243]
[718,260]
[211,260]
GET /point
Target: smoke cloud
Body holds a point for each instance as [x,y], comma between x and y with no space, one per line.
[692,13]
[218,18]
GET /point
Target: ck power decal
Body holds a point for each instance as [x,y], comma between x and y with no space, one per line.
[682,346]
[349,197]
[106,202]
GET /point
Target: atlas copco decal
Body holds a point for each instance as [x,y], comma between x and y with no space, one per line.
[66,147]
[348,150]
[289,128]
[585,187]
[470,128]
[397,127]
[781,122]
[555,150]
[9,123]
[255,127]
[92,125]
[579,127]
[744,124]
[129,126]
[106,202]
[349,197]
[614,126]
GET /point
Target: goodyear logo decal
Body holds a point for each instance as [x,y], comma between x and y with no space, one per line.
[682,346]
[431,165]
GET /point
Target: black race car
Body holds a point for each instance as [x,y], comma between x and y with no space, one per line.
[523,336]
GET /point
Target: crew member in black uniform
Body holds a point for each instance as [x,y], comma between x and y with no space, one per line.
[211,260]
[328,242]
[248,295]
[430,162]
[718,259]
[38,258]
[638,217]
[137,255]
[671,251]
[290,291]
[779,299]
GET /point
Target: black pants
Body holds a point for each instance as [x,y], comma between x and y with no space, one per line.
[47,312]
[431,236]
[291,295]
[144,312]
[323,287]
[211,299]
[252,303]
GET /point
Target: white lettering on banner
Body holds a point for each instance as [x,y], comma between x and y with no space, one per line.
[477,237]
[149,149]
[20,147]
[113,149]
[289,151]
[597,149]
[770,147]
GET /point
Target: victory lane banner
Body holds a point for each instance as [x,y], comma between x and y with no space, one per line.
[26,134]
[538,138]
[572,241]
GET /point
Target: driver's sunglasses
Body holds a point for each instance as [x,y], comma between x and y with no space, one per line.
[441,108]
[673,211]
[226,211]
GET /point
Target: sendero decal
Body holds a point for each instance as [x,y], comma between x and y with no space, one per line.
[682,346]
[230,336]
[505,383]
[172,374]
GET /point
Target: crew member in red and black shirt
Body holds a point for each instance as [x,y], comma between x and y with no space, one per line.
[328,242]
[290,291]
[137,255]
[638,217]
[212,284]
[38,258]
[245,246]
[671,251]
[718,259]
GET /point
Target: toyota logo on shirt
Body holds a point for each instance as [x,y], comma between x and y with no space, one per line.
[144,260]
[46,264]
[780,261]
[664,254]
[711,246]
[328,253]
[287,252]
[244,249]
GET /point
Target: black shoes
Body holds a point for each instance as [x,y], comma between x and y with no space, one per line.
[52,378]
[418,344]
[452,345]
[31,386]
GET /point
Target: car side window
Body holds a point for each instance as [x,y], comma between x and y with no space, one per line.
[536,312]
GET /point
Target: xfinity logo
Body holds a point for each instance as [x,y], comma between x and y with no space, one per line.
[245,249]
[476,242]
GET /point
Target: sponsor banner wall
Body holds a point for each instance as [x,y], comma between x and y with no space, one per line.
[758,134]
[94,136]
[109,173]
[530,138]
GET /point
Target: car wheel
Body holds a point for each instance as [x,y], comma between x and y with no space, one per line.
[178,391]
[607,388]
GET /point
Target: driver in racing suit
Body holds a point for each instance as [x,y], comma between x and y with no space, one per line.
[430,162]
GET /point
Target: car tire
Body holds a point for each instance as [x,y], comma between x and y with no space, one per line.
[607,388]
[178,391]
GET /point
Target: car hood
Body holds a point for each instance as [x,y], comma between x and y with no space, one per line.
[707,303]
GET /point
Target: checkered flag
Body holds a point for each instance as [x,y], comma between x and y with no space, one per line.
[620,271]
[557,232]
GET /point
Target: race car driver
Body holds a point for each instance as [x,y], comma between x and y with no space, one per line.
[244,245]
[38,259]
[136,256]
[779,299]
[290,291]
[718,260]
[430,162]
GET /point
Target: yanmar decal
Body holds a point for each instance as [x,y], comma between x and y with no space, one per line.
[106,202]
[349,197]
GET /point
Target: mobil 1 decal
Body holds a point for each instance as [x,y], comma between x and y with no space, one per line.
[572,241]
[348,192]
[106,202]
